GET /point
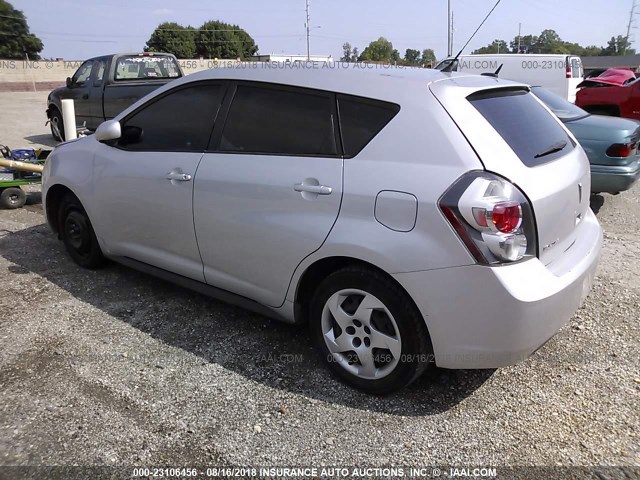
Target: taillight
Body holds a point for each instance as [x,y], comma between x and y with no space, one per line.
[492,217]
[621,150]
[568,72]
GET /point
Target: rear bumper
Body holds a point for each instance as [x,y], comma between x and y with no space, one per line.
[483,317]
[613,179]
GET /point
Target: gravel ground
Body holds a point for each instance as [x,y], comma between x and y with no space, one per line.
[118,368]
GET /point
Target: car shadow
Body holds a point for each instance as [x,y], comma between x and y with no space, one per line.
[263,350]
[596,202]
[45,139]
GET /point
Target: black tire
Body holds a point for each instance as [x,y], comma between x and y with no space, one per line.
[12,198]
[77,234]
[56,124]
[398,370]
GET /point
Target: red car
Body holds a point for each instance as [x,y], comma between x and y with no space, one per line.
[615,92]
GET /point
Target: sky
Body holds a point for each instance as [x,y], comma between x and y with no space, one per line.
[79,29]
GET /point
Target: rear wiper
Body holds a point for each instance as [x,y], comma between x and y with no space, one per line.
[556,147]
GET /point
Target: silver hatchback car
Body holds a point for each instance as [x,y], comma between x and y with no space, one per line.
[408,216]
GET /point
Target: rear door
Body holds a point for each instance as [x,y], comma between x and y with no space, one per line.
[269,191]
[574,74]
[518,138]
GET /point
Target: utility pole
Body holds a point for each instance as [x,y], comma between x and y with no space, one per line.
[630,24]
[449,30]
[308,27]
[519,31]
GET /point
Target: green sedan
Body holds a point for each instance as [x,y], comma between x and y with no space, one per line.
[611,143]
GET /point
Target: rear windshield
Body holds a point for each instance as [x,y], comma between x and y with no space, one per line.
[531,131]
[563,109]
[155,67]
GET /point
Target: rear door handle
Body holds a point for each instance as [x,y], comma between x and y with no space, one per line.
[319,189]
[178,177]
[85,96]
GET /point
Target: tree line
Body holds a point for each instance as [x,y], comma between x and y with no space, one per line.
[381,50]
[549,42]
[213,39]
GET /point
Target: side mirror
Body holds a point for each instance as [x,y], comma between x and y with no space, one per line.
[69,82]
[109,130]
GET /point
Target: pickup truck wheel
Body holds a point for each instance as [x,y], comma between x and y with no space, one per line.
[57,127]
[77,234]
[12,198]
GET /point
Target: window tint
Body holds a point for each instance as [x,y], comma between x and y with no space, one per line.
[361,120]
[279,121]
[181,121]
[531,131]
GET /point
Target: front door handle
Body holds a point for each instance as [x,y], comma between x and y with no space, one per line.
[85,96]
[319,189]
[178,177]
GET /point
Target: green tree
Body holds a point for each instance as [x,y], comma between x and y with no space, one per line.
[217,39]
[497,46]
[411,56]
[549,42]
[172,38]
[347,52]
[380,50]
[428,58]
[618,46]
[355,55]
[15,38]
[526,43]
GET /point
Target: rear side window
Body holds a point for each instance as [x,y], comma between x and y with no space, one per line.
[361,120]
[531,131]
[576,67]
[181,121]
[280,121]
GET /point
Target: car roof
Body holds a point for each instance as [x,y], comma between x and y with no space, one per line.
[372,80]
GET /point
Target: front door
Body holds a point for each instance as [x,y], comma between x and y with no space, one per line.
[144,183]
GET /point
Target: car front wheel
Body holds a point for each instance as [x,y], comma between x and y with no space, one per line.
[77,234]
[368,330]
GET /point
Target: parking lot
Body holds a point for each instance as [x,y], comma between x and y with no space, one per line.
[114,367]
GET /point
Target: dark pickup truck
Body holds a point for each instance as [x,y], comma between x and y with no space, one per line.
[102,87]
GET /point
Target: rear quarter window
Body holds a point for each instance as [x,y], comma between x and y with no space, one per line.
[529,129]
[361,119]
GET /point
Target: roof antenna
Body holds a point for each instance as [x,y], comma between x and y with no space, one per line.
[454,62]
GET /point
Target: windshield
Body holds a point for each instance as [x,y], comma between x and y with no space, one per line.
[156,67]
[564,110]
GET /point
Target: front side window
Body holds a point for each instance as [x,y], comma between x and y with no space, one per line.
[279,122]
[181,121]
[83,73]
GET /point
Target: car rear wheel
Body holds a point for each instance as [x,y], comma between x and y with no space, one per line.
[77,234]
[368,330]
[12,198]
[57,127]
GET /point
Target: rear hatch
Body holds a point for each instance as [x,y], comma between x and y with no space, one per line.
[517,137]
